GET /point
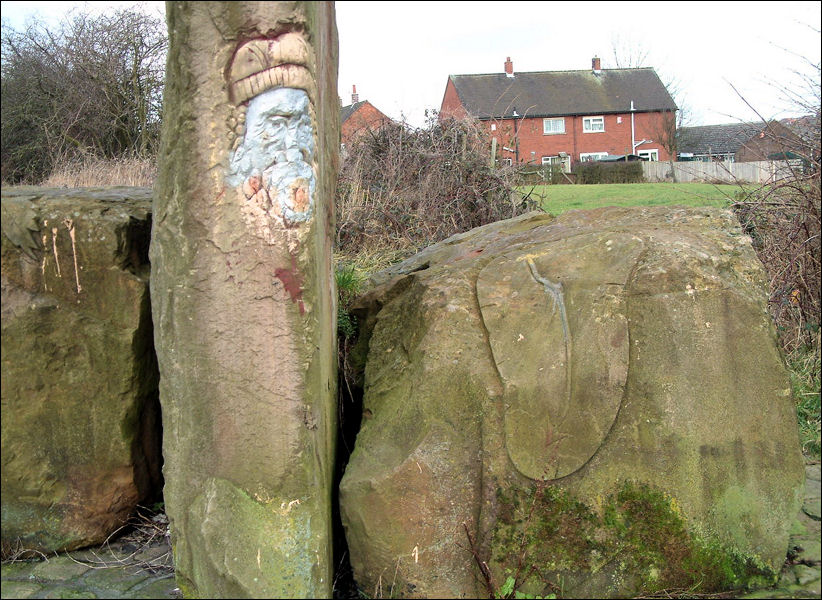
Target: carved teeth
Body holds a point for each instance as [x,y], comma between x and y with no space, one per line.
[260,65]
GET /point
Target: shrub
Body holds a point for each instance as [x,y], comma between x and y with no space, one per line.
[91,85]
[608,172]
[401,187]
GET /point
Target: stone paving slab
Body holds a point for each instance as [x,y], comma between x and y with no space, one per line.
[117,571]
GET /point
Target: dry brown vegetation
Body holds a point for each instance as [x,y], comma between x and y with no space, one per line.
[403,188]
[90,85]
[93,171]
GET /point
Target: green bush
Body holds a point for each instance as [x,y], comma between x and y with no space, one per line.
[608,172]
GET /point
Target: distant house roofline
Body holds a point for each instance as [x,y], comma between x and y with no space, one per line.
[562,93]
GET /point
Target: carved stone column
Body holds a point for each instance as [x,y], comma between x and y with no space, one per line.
[243,298]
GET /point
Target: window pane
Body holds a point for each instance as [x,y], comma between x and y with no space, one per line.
[553,125]
[593,124]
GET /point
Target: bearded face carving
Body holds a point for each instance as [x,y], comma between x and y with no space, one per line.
[273,164]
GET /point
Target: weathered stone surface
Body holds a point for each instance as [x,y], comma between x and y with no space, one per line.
[623,357]
[79,378]
[243,295]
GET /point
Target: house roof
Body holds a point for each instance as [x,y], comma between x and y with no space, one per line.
[560,93]
[347,111]
[806,127]
[716,139]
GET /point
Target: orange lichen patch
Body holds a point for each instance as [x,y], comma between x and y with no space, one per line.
[263,64]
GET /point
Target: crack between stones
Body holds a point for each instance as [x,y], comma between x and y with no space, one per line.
[486,515]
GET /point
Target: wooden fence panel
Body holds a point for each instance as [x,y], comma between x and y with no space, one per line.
[718,172]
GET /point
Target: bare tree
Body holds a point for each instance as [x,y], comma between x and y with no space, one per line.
[405,188]
[783,215]
[628,53]
[91,86]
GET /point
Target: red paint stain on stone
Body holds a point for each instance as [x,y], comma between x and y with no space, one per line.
[292,281]
[469,254]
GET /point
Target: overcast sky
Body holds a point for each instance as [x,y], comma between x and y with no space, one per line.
[399,54]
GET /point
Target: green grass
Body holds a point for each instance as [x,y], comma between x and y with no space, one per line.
[557,199]
[805,370]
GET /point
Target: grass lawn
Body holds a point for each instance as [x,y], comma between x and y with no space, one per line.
[556,199]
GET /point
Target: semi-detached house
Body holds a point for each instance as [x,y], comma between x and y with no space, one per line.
[561,117]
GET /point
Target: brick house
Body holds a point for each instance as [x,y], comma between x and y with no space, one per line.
[739,142]
[561,117]
[359,117]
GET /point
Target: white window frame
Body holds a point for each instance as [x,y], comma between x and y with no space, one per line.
[506,161]
[588,124]
[652,154]
[549,126]
[591,156]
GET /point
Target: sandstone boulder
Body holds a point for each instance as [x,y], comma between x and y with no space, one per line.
[81,428]
[597,399]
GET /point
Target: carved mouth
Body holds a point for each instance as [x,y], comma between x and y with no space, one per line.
[263,64]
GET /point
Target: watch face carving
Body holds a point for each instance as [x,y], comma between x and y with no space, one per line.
[273,163]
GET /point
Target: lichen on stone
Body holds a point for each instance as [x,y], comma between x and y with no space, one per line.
[637,537]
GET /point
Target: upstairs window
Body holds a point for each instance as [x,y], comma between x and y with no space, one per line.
[553,126]
[593,124]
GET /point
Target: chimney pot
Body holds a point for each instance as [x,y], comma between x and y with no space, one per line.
[355,97]
[595,65]
[509,67]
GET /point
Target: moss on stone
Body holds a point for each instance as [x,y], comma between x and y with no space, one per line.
[636,537]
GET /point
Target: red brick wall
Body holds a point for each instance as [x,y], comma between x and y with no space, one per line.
[775,138]
[616,139]
[451,104]
[367,117]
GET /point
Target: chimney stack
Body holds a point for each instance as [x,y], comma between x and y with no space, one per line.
[595,65]
[355,97]
[509,67]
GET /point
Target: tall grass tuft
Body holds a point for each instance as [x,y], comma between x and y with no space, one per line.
[805,366]
[92,171]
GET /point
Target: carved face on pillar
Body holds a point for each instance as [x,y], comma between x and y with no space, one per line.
[273,166]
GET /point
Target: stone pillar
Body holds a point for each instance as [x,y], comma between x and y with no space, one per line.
[243,298]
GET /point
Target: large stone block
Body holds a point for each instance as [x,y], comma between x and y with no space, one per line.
[79,377]
[243,295]
[600,394]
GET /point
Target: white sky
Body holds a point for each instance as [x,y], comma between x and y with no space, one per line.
[399,54]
